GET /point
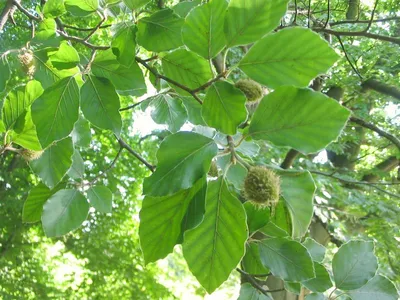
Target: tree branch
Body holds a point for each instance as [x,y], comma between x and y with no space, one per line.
[158,75]
[82,41]
[7,11]
[364,21]
[25,11]
[374,36]
[382,88]
[354,182]
[379,131]
[124,145]
[255,284]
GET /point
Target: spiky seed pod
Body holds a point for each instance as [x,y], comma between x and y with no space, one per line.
[250,88]
[213,172]
[27,61]
[262,187]
[30,155]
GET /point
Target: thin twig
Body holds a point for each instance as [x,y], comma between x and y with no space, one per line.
[82,41]
[348,58]
[124,145]
[108,168]
[372,16]
[309,14]
[355,182]
[364,21]
[103,19]
[295,12]
[329,14]
[374,36]
[158,75]
[86,29]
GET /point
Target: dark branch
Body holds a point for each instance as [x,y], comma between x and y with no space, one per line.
[6,13]
[364,21]
[86,29]
[255,283]
[109,167]
[82,41]
[379,131]
[124,145]
[374,36]
[382,88]
[289,159]
[348,58]
[25,11]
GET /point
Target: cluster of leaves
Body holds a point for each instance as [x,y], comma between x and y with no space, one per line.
[62,95]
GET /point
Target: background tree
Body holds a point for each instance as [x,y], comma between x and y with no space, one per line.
[74,76]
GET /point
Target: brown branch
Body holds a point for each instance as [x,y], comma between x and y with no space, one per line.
[374,36]
[348,58]
[255,283]
[364,21]
[25,11]
[387,165]
[354,182]
[376,129]
[6,13]
[93,31]
[82,41]
[124,145]
[372,16]
[108,168]
[158,75]
[86,29]
[209,83]
[382,88]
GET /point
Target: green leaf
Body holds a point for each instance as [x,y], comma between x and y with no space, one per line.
[299,118]
[281,217]
[77,169]
[81,135]
[66,57]
[251,262]
[135,4]
[194,110]
[234,174]
[56,111]
[187,68]
[195,211]
[18,101]
[24,133]
[168,110]
[182,9]
[224,107]
[161,31]
[65,211]
[298,190]
[321,282]
[160,222]
[248,292]
[249,149]
[46,73]
[124,44]
[378,287]
[46,32]
[5,74]
[293,287]
[203,31]
[292,56]
[33,206]
[248,21]
[183,158]
[314,296]
[316,250]
[287,259]
[256,217]
[354,265]
[127,80]
[53,8]
[54,162]
[100,104]
[272,230]
[81,8]
[215,247]
[100,197]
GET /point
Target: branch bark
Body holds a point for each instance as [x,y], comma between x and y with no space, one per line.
[382,88]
